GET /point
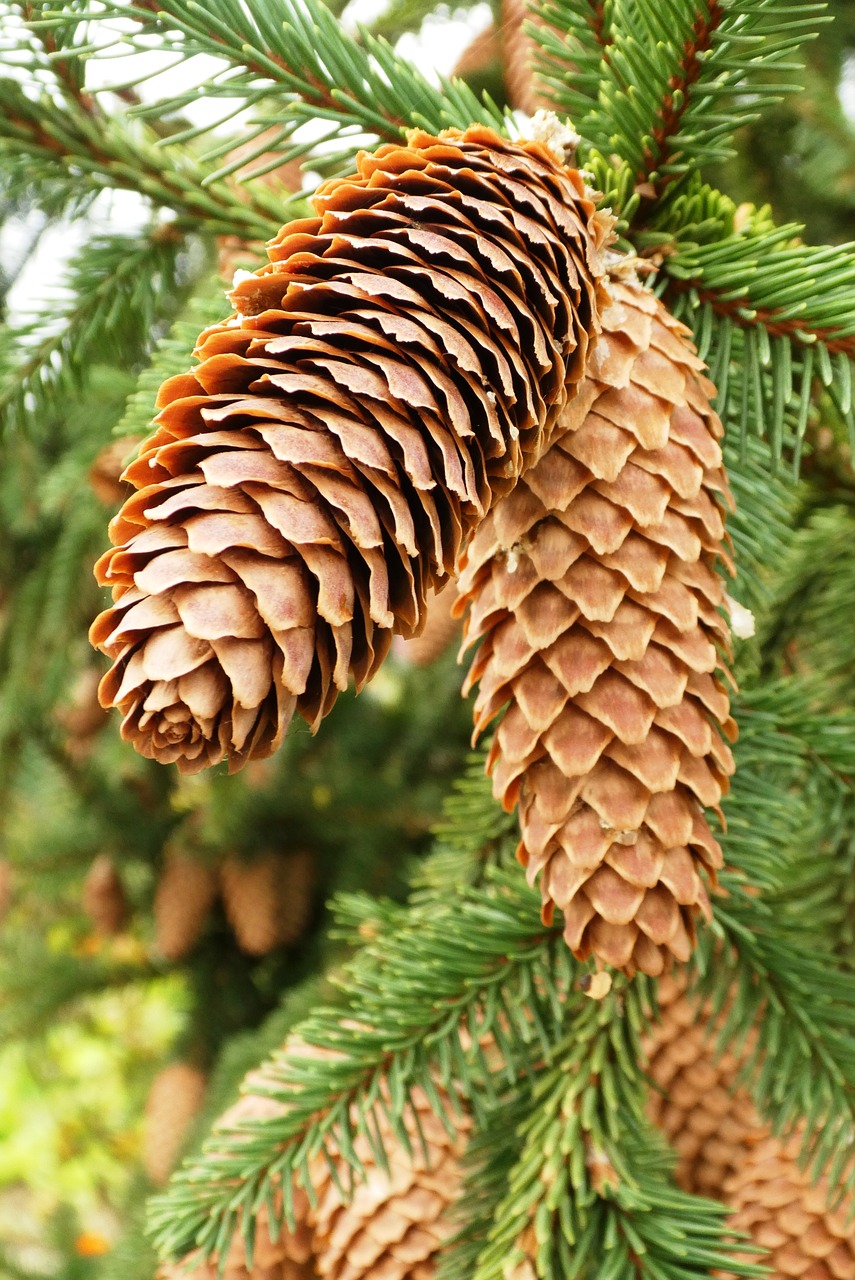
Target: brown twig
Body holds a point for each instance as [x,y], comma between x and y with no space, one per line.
[671,116]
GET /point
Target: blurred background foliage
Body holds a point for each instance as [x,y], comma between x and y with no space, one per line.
[106,858]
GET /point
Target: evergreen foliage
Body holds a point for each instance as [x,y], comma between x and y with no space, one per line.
[436,973]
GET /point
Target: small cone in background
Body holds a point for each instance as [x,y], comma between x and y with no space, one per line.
[104,898]
[389,374]
[174,1099]
[186,892]
[7,881]
[710,1122]
[483,52]
[81,715]
[727,1152]
[106,470]
[268,900]
[594,591]
[518,53]
[441,630]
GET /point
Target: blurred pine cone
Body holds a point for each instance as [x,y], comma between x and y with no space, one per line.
[104,899]
[7,879]
[391,372]
[727,1152]
[594,592]
[441,629]
[174,1099]
[268,899]
[392,1228]
[186,892]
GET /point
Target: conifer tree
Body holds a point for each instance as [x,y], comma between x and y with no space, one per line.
[477,351]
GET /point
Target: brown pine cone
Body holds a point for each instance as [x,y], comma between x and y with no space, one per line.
[268,900]
[518,53]
[775,1205]
[7,881]
[186,892]
[104,898]
[710,1122]
[389,374]
[727,1152]
[174,1099]
[441,629]
[393,1227]
[593,589]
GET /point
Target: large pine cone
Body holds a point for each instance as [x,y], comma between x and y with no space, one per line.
[594,591]
[726,1151]
[391,372]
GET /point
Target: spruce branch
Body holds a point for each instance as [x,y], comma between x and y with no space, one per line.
[669,84]
[117,289]
[304,62]
[568,1175]
[574,37]
[454,970]
[105,155]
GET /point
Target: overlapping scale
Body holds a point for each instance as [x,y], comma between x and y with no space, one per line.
[594,591]
[389,374]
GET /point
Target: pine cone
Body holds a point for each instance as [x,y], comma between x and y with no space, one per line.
[775,1204]
[174,1099]
[710,1122]
[7,880]
[394,1227]
[106,470]
[441,628]
[390,373]
[186,892]
[104,898]
[594,592]
[268,900]
[289,1256]
[518,52]
[727,1152]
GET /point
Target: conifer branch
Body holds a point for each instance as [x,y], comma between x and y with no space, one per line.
[106,156]
[117,288]
[307,63]
[478,960]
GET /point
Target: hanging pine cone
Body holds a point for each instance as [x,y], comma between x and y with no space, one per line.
[186,892]
[7,879]
[391,1229]
[394,1226]
[710,1121]
[104,898]
[727,1152]
[268,900]
[389,374]
[174,1099]
[441,629]
[594,592]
